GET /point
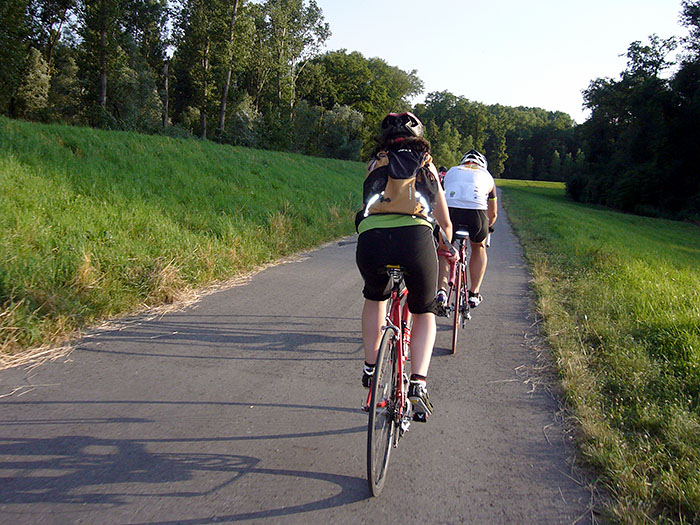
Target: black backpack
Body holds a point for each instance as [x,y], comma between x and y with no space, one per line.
[399,182]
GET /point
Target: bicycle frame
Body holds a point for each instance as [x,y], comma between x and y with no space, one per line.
[398,320]
[463,247]
[461,265]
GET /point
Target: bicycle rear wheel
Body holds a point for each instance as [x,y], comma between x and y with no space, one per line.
[456,318]
[382,412]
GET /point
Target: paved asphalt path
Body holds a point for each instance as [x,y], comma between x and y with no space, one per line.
[245,407]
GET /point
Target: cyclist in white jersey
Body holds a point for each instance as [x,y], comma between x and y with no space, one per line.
[470,192]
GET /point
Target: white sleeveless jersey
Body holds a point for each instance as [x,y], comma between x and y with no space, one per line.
[468,187]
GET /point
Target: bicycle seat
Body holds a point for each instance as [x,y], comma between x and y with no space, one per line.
[461,234]
[396,271]
[392,267]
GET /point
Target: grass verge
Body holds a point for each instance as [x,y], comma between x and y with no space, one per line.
[96,224]
[620,299]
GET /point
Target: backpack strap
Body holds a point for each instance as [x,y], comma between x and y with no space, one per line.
[379,160]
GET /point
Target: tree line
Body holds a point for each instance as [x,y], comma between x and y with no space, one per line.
[243,73]
[520,143]
[641,140]
[255,74]
[239,72]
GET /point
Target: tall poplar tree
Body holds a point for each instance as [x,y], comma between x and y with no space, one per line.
[297,32]
[52,17]
[194,36]
[101,25]
[228,57]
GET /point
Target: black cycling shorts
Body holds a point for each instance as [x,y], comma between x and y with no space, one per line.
[411,247]
[476,222]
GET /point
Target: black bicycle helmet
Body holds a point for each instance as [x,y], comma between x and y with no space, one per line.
[398,124]
[442,169]
[477,158]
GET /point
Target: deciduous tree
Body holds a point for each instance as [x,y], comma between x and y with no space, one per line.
[33,92]
[195,37]
[15,30]
[101,26]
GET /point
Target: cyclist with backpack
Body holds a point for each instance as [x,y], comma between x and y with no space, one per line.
[471,197]
[402,200]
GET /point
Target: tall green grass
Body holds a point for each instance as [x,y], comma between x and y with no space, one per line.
[620,299]
[95,223]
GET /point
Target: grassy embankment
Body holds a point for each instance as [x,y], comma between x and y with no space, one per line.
[620,300]
[96,224]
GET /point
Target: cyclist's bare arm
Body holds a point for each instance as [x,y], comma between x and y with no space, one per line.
[492,210]
[441,213]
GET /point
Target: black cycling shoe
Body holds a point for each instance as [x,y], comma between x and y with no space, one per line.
[418,396]
[367,375]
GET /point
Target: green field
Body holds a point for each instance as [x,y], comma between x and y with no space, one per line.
[619,296]
[96,224]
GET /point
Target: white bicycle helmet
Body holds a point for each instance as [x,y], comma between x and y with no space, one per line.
[477,158]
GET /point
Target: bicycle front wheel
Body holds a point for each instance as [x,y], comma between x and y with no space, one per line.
[382,412]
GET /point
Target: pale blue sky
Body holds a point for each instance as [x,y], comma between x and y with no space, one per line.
[515,53]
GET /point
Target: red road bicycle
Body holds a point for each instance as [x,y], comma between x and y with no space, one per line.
[457,301]
[458,283]
[390,410]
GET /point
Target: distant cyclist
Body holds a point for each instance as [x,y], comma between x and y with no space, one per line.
[471,197]
[402,197]
[442,170]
